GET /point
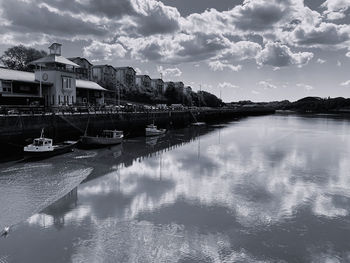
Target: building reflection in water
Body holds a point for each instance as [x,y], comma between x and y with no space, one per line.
[62,206]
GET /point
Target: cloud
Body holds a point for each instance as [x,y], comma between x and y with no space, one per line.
[322,35]
[335,9]
[169,72]
[339,63]
[267,85]
[155,18]
[265,31]
[138,71]
[259,15]
[320,61]
[103,51]
[279,55]
[227,85]
[305,86]
[345,83]
[241,50]
[25,16]
[220,66]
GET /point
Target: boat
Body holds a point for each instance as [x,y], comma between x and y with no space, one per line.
[43,147]
[152,130]
[198,123]
[108,137]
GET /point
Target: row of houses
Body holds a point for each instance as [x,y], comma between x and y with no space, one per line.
[57,80]
[124,78]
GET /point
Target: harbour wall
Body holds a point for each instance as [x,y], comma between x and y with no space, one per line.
[18,130]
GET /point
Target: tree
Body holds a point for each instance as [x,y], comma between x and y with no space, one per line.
[19,57]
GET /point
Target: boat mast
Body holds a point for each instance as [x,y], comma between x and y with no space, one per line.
[42,133]
[87,125]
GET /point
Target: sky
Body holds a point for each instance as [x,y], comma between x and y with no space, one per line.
[259,50]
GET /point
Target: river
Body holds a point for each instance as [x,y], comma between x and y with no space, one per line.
[261,189]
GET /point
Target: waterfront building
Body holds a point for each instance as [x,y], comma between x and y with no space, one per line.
[105,75]
[143,81]
[126,78]
[53,83]
[179,86]
[157,85]
[188,90]
[168,85]
[85,68]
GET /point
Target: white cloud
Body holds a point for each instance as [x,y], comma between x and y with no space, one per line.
[220,66]
[320,61]
[345,83]
[279,55]
[305,86]
[339,63]
[138,71]
[322,35]
[227,85]
[335,9]
[103,51]
[169,72]
[267,85]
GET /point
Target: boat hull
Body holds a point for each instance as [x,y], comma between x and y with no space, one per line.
[90,141]
[59,149]
[150,133]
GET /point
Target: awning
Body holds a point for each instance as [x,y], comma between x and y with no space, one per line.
[86,84]
[16,75]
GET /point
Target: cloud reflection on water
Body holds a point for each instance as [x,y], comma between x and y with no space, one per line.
[270,188]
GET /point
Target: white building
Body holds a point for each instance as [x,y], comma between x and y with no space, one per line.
[53,83]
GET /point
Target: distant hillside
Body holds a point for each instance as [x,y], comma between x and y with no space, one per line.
[307,104]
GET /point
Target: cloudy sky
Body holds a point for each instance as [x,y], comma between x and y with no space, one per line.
[261,50]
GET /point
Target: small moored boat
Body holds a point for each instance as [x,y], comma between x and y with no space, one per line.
[43,147]
[108,137]
[152,130]
[198,123]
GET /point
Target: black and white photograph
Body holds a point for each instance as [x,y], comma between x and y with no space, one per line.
[175,131]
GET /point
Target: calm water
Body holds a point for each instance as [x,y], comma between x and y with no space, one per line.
[262,189]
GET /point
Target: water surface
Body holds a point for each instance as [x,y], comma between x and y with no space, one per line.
[263,189]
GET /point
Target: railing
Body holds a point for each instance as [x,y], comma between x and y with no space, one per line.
[92,109]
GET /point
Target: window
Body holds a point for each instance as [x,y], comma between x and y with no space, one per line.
[66,83]
[7,86]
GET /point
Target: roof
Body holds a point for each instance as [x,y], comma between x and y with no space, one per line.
[55,44]
[143,76]
[86,84]
[125,68]
[54,59]
[157,80]
[80,58]
[16,75]
[102,66]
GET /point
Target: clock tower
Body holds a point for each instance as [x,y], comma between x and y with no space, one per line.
[57,73]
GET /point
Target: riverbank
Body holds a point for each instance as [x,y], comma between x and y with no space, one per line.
[18,130]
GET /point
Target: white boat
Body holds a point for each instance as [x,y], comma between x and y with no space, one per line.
[198,123]
[152,130]
[43,147]
[108,137]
